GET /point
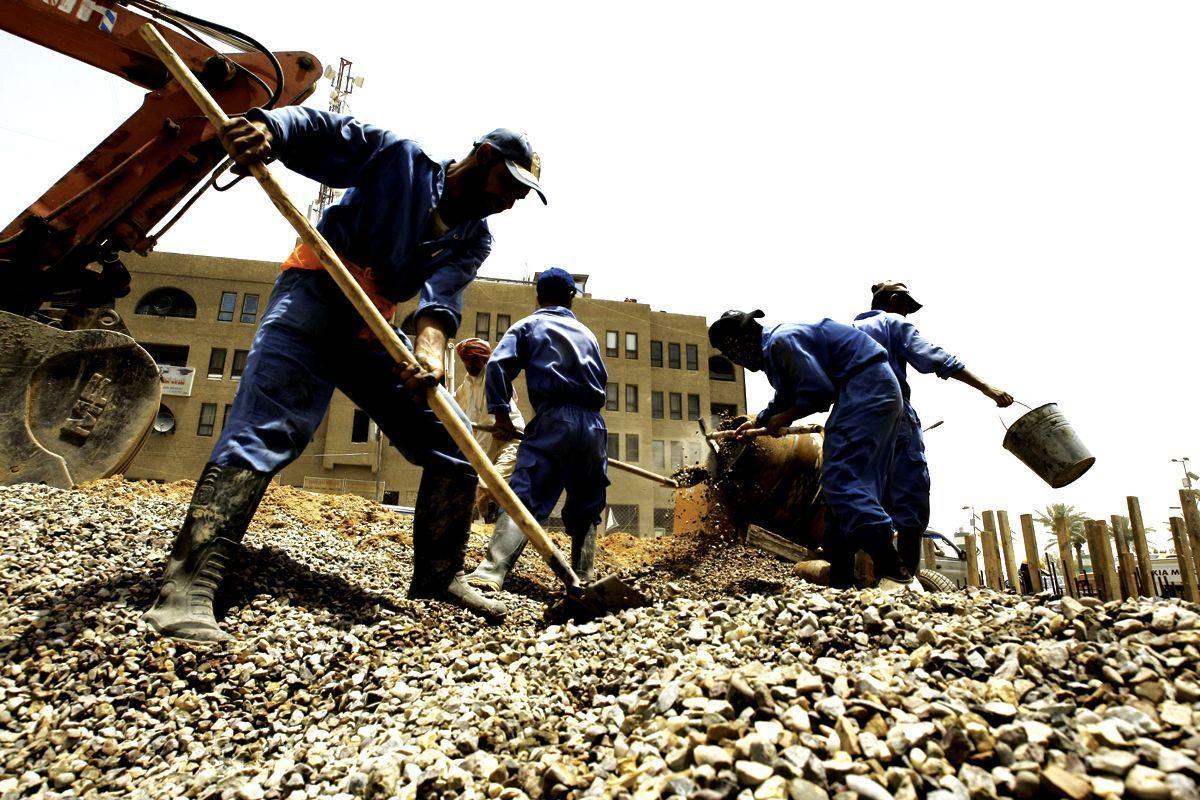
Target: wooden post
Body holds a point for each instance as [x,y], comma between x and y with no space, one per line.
[972,560]
[1031,553]
[928,553]
[1111,583]
[1010,557]
[1191,522]
[1183,553]
[1125,569]
[1097,559]
[991,553]
[1141,547]
[1063,533]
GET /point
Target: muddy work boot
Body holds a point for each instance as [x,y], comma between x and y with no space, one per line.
[222,506]
[441,525]
[503,550]
[908,544]
[583,555]
[890,571]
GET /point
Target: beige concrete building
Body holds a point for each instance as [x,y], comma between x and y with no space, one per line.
[197,316]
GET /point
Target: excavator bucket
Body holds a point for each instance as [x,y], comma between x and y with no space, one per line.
[80,402]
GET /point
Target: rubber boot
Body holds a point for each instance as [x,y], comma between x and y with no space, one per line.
[891,574]
[441,525]
[583,555]
[503,550]
[222,505]
[908,543]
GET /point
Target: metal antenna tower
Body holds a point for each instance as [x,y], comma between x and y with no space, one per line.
[343,83]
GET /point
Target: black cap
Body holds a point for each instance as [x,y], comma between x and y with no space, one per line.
[731,324]
[896,287]
[524,164]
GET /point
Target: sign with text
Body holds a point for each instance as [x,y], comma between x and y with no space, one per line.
[177,380]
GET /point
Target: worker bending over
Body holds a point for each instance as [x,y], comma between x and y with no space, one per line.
[407,225]
[472,399]
[907,498]
[812,367]
[565,446]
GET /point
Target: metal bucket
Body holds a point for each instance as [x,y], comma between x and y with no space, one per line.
[1045,441]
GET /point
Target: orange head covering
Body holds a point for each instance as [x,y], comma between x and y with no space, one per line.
[473,348]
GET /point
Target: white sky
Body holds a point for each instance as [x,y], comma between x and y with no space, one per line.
[1030,169]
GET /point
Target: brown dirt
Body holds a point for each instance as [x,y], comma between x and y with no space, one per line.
[665,557]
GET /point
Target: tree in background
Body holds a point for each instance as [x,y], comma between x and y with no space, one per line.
[1049,517]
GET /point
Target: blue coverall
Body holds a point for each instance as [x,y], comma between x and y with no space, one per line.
[310,340]
[813,366]
[908,483]
[566,443]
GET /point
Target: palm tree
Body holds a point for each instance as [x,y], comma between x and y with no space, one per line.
[1049,517]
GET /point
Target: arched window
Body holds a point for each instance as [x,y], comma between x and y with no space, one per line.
[167,303]
[720,368]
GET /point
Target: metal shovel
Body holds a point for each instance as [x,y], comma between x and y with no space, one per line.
[604,595]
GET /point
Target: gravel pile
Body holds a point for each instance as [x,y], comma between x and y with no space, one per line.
[740,681]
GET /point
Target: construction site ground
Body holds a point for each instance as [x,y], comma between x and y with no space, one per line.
[739,680]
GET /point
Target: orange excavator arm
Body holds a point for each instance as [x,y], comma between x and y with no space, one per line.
[66,246]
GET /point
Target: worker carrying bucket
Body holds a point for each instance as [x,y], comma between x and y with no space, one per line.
[907,499]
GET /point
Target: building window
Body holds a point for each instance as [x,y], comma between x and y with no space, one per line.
[631,447]
[228,301]
[664,521]
[360,427]
[676,405]
[249,308]
[239,364]
[673,355]
[693,406]
[693,357]
[614,445]
[208,418]
[611,339]
[483,325]
[656,405]
[676,455]
[611,397]
[658,451]
[225,414]
[722,410]
[655,353]
[216,363]
[720,368]
[631,346]
[502,323]
[167,303]
[631,398]
[168,355]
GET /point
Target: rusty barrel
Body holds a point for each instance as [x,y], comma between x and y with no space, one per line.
[1045,441]
[774,483]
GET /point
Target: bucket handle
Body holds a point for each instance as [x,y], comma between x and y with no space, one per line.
[1018,402]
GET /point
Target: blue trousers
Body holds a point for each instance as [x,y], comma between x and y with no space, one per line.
[860,438]
[308,345]
[908,482]
[565,447]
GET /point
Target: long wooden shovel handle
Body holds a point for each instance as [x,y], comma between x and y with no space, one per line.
[440,401]
[718,436]
[623,465]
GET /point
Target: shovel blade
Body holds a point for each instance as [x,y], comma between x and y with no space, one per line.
[613,594]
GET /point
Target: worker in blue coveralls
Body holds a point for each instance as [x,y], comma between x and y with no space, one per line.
[565,445]
[908,484]
[407,225]
[812,367]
